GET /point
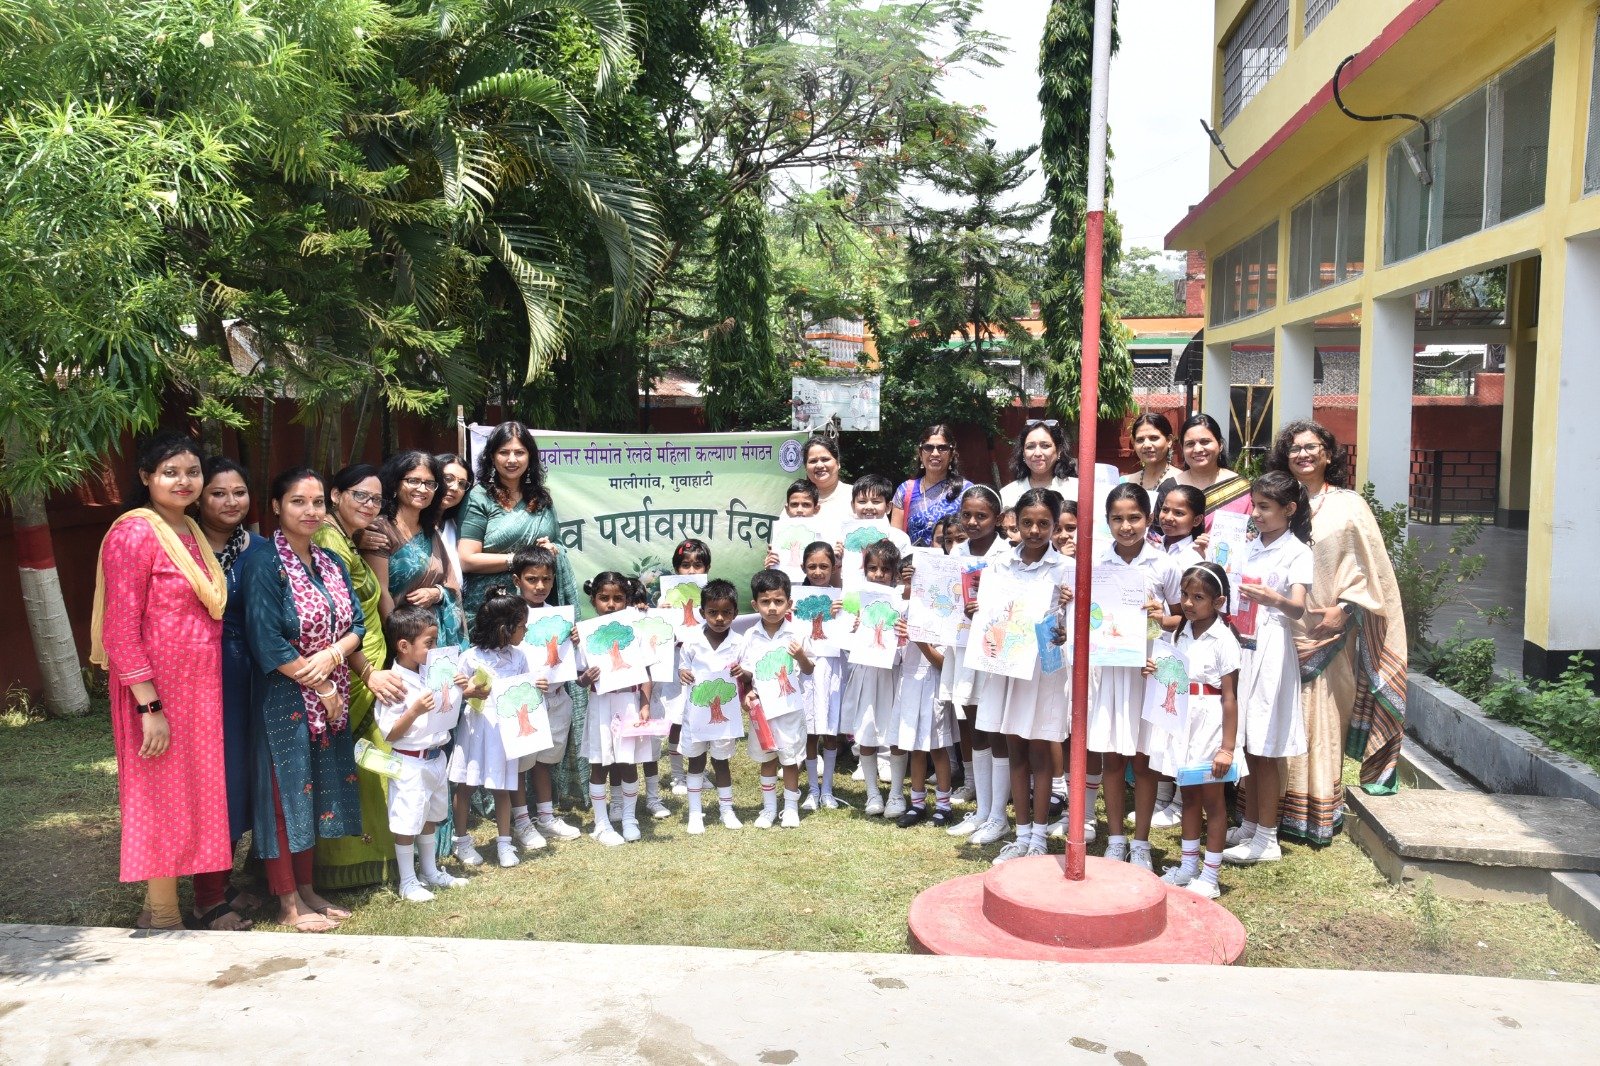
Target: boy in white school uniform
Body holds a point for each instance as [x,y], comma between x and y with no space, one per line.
[773,645]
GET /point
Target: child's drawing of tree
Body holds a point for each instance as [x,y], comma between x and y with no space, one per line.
[685,595]
[880,615]
[816,610]
[1171,672]
[610,639]
[550,631]
[518,702]
[652,631]
[791,541]
[713,694]
[859,539]
[775,666]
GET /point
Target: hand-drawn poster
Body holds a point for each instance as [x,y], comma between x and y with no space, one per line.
[937,606]
[613,644]
[549,642]
[517,709]
[791,536]
[1166,693]
[1002,640]
[1117,617]
[711,711]
[439,674]
[874,642]
[856,535]
[777,681]
[679,602]
[1230,548]
[814,604]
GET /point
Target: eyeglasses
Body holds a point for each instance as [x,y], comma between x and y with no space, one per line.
[1035,423]
[418,483]
[937,448]
[1304,449]
[456,482]
[365,499]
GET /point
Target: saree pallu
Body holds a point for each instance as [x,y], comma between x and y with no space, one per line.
[421,562]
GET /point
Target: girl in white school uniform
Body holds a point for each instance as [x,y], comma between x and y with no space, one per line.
[1116,701]
[990,769]
[610,592]
[1180,531]
[924,728]
[1034,715]
[866,707]
[1274,582]
[1210,737]
[822,689]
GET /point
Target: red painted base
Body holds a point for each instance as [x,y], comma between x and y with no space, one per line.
[1027,909]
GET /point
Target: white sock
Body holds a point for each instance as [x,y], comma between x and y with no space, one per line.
[1191,857]
[982,778]
[812,785]
[941,800]
[966,766]
[602,810]
[675,760]
[999,788]
[897,775]
[1058,786]
[1165,790]
[1211,867]
[652,787]
[769,795]
[630,803]
[869,771]
[546,812]
[1141,845]
[791,799]
[1038,839]
[1266,834]
[1091,786]
[1249,829]
[696,783]
[725,798]
[1117,840]
[830,756]
[503,843]
[405,856]
[919,799]
[428,850]
[519,817]
[1024,833]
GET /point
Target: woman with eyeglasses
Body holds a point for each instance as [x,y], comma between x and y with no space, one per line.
[417,569]
[454,485]
[1041,459]
[933,494]
[1351,641]
[355,501]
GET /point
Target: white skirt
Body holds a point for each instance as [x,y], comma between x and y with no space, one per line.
[1116,709]
[479,759]
[822,689]
[603,747]
[866,709]
[922,719]
[958,684]
[668,698]
[1037,709]
[1272,722]
[1197,745]
[989,695]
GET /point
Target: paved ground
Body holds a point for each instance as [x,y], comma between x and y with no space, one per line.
[1503,583]
[96,995]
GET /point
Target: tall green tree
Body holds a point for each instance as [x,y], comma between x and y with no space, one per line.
[1064,83]
[1144,285]
[745,385]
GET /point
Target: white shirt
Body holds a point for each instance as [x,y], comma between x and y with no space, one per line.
[1212,655]
[1162,578]
[757,643]
[1183,553]
[836,508]
[1010,494]
[1286,561]
[413,739]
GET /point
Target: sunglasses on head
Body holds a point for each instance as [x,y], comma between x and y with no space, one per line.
[1035,423]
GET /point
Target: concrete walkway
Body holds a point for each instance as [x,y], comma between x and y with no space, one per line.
[1502,583]
[99,995]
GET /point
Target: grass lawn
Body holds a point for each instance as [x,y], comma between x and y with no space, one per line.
[839,883]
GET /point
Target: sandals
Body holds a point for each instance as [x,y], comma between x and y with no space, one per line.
[221,911]
[333,914]
[314,923]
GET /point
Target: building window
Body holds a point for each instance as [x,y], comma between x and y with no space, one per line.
[1244,279]
[1316,11]
[1488,162]
[1253,54]
[1327,234]
[1591,163]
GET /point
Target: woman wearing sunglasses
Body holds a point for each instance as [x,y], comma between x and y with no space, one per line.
[934,493]
[1042,459]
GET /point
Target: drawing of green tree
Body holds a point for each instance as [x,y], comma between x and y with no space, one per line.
[1171,672]
[713,694]
[859,539]
[816,610]
[880,614]
[610,639]
[518,702]
[550,631]
[652,631]
[685,595]
[776,665]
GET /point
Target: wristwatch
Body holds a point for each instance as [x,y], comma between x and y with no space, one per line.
[153,707]
[1349,609]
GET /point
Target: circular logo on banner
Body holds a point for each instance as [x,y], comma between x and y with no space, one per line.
[789,456]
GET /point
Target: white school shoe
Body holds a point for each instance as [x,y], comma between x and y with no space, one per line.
[895,806]
[765,820]
[1117,852]
[1179,875]
[556,829]
[810,802]
[615,811]
[697,824]
[529,837]
[874,805]
[679,788]
[441,879]
[967,826]
[657,809]
[1141,858]
[607,836]
[1239,835]
[1015,850]
[990,832]
[832,803]
[415,893]
[730,820]
[1203,888]
[1167,817]
[964,794]
[789,819]
[466,854]
[858,774]
[507,854]
[630,831]
[1089,831]
[1056,830]
[1253,851]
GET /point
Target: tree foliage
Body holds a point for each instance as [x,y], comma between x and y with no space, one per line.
[1144,285]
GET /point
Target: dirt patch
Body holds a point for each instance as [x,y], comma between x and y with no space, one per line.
[238,975]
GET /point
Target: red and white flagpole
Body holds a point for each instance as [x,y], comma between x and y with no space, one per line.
[1088,431]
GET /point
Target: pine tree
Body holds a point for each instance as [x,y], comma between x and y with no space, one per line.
[1064,76]
[744,383]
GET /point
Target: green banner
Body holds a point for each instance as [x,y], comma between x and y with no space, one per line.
[627,500]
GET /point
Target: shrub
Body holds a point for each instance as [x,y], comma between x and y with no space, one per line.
[1464,663]
[1564,713]
[1424,587]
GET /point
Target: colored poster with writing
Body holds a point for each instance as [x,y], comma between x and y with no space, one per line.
[1230,548]
[938,608]
[1003,640]
[1117,617]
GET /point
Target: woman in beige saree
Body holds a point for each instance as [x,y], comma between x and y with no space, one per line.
[1351,642]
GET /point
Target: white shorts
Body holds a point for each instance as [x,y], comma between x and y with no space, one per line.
[718,749]
[419,795]
[559,708]
[788,733]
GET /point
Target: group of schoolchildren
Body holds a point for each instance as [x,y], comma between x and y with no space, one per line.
[925,713]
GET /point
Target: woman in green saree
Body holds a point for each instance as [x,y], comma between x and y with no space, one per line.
[414,567]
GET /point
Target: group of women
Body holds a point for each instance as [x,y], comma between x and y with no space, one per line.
[244,669]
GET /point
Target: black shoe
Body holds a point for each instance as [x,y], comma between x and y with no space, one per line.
[1058,804]
[912,816]
[943,817]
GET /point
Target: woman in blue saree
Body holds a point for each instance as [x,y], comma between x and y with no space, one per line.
[414,567]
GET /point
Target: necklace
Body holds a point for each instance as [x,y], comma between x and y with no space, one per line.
[1166,472]
[1316,500]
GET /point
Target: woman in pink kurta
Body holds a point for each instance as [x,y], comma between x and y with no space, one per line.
[162,643]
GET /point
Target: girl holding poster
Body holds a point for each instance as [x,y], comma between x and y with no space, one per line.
[711,720]
[1034,715]
[1116,700]
[609,593]
[823,686]
[866,708]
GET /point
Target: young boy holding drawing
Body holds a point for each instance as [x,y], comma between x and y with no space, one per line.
[702,658]
[770,649]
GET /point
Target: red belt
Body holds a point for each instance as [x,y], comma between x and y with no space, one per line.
[426,753]
[1204,690]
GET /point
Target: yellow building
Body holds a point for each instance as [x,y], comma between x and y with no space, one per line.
[1333,226]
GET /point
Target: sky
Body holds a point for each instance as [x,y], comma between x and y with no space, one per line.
[1160,85]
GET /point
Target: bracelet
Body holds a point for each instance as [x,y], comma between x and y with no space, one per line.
[332,691]
[367,673]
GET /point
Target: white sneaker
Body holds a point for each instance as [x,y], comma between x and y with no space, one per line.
[441,879]
[765,820]
[874,805]
[556,829]
[895,807]
[964,794]
[858,774]
[831,803]
[1056,830]
[466,854]
[415,893]
[528,836]
[657,809]
[607,836]
[990,832]
[1140,857]
[1179,875]
[697,825]
[790,819]
[507,854]
[1117,852]
[966,827]
[1014,850]
[1088,831]
[1167,817]
[615,811]
[1253,851]
[1203,888]
[810,802]
[630,831]
[731,820]
[1239,835]
[679,788]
